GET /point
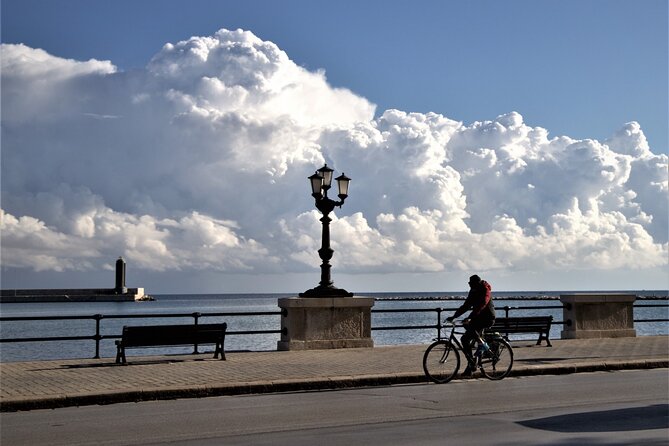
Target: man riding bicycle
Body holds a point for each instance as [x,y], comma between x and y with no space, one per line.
[479,300]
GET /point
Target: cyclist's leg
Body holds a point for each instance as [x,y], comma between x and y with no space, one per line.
[485,325]
[474,333]
[470,336]
[480,325]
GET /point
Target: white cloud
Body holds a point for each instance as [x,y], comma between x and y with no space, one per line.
[39,66]
[191,242]
[199,162]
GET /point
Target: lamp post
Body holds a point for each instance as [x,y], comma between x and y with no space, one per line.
[321,182]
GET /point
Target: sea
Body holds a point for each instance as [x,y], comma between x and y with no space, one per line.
[653,304]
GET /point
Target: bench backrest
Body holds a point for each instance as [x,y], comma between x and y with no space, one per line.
[148,335]
[519,323]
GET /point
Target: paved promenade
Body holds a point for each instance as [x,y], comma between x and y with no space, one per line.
[60,383]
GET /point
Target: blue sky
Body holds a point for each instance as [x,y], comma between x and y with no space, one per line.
[577,68]
[522,140]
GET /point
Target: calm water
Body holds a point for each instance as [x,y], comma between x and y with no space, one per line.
[211,303]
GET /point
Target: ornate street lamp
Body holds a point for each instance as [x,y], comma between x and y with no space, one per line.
[320,184]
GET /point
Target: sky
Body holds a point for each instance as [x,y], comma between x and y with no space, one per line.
[524,141]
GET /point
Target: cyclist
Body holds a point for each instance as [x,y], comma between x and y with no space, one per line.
[479,300]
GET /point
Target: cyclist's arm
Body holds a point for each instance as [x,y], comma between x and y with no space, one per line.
[460,311]
[466,306]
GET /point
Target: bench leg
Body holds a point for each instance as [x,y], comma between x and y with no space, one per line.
[219,349]
[120,355]
[544,336]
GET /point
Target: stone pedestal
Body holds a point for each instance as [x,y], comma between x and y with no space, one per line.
[598,315]
[325,322]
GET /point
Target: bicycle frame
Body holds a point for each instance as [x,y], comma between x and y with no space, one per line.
[452,337]
[455,341]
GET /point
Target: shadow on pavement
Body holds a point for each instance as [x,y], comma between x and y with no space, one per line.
[629,419]
[552,359]
[129,363]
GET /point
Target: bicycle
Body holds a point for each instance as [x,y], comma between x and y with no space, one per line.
[441,360]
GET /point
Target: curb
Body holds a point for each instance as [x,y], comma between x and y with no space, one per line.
[332,383]
[565,369]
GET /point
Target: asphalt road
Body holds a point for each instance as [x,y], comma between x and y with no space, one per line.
[605,408]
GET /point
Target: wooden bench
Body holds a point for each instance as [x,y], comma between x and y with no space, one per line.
[171,335]
[532,324]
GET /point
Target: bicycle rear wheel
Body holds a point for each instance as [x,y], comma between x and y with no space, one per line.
[497,362]
[441,361]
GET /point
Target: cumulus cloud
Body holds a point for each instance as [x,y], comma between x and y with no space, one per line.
[193,241]
[199,162]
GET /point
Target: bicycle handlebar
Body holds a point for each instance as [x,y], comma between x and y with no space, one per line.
[454,323]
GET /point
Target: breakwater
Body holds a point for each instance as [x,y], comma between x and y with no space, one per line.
[71,295]
[120,293]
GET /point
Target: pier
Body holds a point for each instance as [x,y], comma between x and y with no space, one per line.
[120,293]
[70,295]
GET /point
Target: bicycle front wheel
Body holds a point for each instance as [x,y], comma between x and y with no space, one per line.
[441,361]
[497,362]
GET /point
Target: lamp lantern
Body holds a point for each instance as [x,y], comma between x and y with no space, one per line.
[326,173]
[316,184]
[342,183]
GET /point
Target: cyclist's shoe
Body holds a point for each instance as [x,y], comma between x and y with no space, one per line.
[468,371]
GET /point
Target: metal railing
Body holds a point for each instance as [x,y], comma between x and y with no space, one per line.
[439,325]
[97,337]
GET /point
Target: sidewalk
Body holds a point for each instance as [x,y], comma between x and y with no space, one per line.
[60,383]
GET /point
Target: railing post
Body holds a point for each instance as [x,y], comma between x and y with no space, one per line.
[506,315]
[439,310]
[98,317]
[196,317]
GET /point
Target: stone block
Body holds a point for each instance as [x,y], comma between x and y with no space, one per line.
[324,323]
[598,315]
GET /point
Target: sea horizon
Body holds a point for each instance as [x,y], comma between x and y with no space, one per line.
[534,293]
[643,294]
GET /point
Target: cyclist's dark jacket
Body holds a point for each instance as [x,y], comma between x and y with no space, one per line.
[479,300]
